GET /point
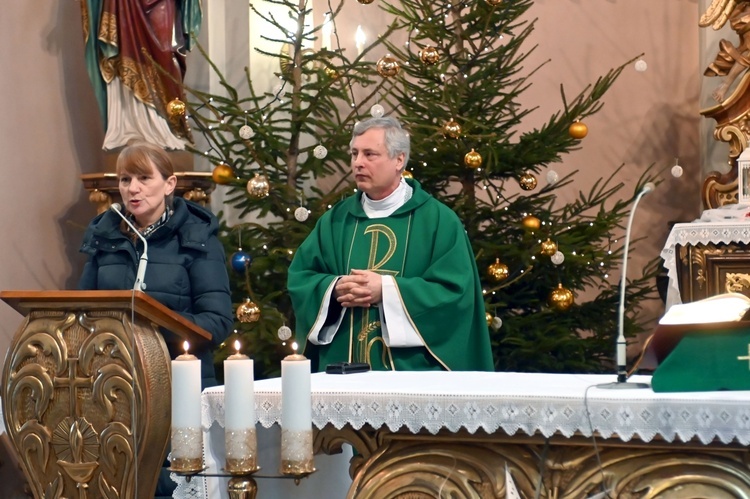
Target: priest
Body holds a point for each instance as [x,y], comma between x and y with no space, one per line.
[388,276]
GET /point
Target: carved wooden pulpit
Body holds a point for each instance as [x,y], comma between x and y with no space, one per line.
[87,391]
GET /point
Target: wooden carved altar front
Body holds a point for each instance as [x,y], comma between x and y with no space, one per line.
[710,269]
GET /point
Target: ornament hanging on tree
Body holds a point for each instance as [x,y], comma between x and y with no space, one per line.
[377,111]
[641,66]
[549,248]
[387,66]
[552,177]
[407,174]
[258,186]
[429,55]
[176,107]
[527,181]
[222,174]
[498,271]
[248,311]
[247,132]
[331,72]
[488,318]
[451,129]
[558,258]
[495,3]
[560,298]
[473,159]
[240,261]
[497,323]
[676,169]
[578,129]
[365,2]
[320,151]
[531,223]
[301,214]
[284,332]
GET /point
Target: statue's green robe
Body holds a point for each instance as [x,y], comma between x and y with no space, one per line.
[424,246]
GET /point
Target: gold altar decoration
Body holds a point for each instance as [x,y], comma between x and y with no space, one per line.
[705,270]
[398,465]
[103,188]
[86,392]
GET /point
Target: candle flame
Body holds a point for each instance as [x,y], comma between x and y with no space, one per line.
[237,345]
[186,346]
[294,346]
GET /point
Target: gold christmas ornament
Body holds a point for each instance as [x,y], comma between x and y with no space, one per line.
[331,72]
[560,298]
[387,66]
[498,271]
[531,223]
[473,159]
[527,182]
[365,2]
[248,311]
[495,3]
[549,248]
[176,107]
[488,318]
[407,174]
[429,55]
[578,129]
[258,186]
[222,174]
[451,129]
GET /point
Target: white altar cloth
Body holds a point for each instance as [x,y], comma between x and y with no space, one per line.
[549,404]
[683,234]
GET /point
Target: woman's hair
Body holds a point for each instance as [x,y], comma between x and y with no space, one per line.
[137,158]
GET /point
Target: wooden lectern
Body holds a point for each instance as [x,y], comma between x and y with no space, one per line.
[87,391]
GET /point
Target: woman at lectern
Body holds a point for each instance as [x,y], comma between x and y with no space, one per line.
[186,268]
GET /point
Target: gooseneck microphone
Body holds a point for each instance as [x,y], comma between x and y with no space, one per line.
[141,273]
[621,353]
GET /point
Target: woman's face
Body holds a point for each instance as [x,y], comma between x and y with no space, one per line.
[144,194]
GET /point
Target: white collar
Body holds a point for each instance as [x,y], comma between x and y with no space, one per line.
[389,204]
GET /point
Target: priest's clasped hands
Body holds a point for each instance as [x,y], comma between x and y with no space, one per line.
[361,288]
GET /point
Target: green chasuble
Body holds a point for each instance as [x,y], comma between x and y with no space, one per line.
[424,246]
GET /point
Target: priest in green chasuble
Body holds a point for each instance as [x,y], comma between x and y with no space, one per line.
[388,275]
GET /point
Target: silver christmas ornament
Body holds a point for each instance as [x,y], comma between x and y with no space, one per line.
[552,177]
[677,171]
[301,214]
[284,333]
[246,132]
[497,323]
[377,111]
[320,152]
[641,66]
[557,258]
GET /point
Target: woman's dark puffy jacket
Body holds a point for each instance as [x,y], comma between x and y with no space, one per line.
[186,271]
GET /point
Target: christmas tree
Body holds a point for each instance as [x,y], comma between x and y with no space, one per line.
[455,84]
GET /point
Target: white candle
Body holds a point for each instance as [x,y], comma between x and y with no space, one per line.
[296,395]
[239,395]
[327,31]
[186,391]
[360,38]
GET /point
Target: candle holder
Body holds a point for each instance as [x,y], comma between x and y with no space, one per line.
[187,450]
[296,419]
[241,452]
[297,453]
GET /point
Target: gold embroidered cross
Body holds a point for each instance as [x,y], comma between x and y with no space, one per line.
[746,357]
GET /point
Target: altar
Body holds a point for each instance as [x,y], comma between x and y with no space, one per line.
[707,258]
[454,434]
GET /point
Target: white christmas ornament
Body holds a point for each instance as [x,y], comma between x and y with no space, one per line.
[320,152]
[677,171]
[301,214]
[497,323]
[552,177]
[557,258]
[284,333]
[641,66]
[377,111]
[246,132]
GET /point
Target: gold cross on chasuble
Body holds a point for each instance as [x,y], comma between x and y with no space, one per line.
[378,245]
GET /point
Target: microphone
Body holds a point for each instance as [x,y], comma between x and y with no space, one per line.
[141,273]
[621,352]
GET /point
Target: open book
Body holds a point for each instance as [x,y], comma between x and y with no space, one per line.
[725,307]
[725,312]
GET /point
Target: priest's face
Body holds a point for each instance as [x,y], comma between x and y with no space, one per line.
[375,172]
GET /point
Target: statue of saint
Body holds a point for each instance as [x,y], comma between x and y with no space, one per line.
[135,57]
[732,60]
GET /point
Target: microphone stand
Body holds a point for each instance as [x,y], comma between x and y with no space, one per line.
[140,275]
[621,352]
